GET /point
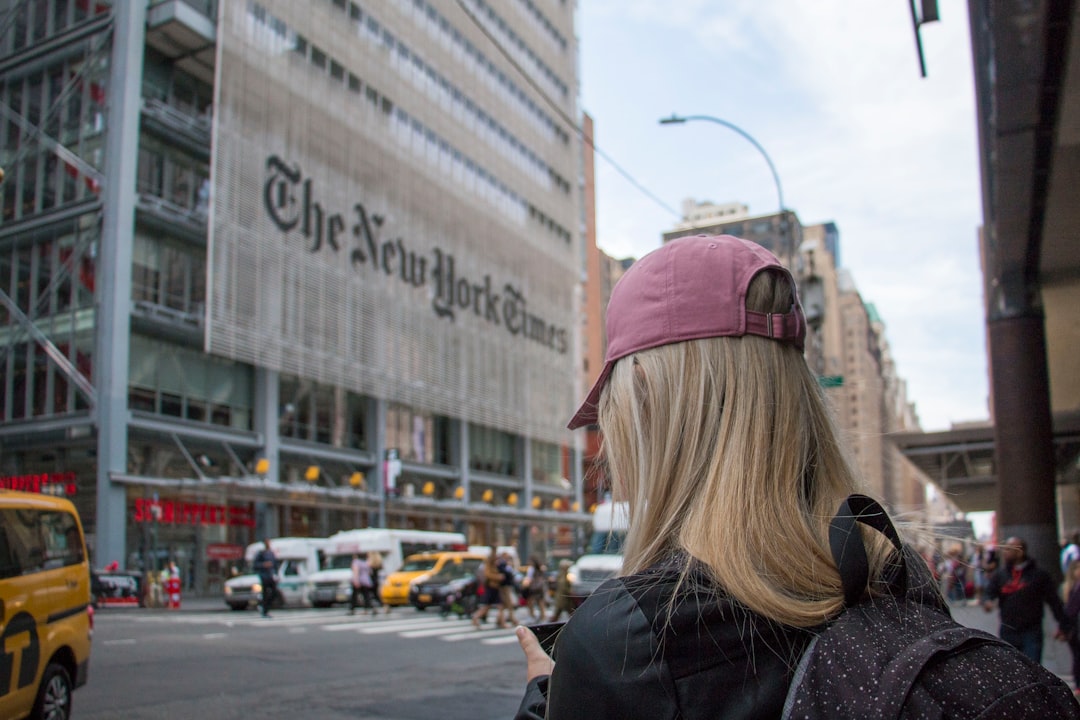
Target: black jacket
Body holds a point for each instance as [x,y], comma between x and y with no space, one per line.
[640,648]
[1020,599]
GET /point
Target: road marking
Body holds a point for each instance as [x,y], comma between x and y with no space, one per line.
[214,636]
[504,640]
[125,641]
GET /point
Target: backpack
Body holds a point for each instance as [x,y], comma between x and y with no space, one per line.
[899,654]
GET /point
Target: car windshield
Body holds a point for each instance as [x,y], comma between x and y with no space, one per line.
[418,564]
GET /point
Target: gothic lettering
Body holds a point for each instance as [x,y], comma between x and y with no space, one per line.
[448,290]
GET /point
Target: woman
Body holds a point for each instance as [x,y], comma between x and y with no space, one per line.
[534,585]
[491,578]
[716,434]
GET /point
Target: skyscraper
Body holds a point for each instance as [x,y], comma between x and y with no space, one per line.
[288,268]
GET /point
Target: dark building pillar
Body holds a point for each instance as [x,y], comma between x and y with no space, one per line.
[1023,435]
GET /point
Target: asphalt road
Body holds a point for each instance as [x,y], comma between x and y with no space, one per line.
[210,664]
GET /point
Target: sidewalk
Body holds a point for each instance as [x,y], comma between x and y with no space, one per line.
[1056,656]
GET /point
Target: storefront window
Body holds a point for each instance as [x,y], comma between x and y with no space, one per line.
[415,434]
[322,413]
[547,466]
[182,382]
[492,450]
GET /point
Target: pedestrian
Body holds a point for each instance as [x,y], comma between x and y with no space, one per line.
[507,590]
[1072,613]
[1021,589]
[265,565]
[1070,551]
[534,586]
[717,436]
[954,575]
[172,585]
[361,584]
[492,580]
[376,562]
[562,602]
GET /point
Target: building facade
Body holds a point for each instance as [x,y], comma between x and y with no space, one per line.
[276,268]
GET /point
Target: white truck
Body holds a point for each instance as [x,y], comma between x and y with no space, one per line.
[297,560]
[604,559]
[333,584]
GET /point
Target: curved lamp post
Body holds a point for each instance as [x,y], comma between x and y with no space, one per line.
[677,120]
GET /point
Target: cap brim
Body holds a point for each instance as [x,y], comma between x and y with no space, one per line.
[586,414]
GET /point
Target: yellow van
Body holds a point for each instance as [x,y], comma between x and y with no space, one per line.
[45,625]
[395,591]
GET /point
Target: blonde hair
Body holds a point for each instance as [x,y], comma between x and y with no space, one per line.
[727,455]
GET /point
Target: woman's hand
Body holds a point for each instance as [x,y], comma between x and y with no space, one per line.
[537,661]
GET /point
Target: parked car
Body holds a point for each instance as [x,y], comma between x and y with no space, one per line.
[44,605]
[397,588]
[116,589]
[454,583]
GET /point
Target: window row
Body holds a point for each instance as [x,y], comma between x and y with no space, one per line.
[66,102]
[437,87]
[541,20]
[168,173]
[473,58]
[519,47]
[181,382]
[169,273]
[53,273]
[321,413]
[32,22]
[274,34]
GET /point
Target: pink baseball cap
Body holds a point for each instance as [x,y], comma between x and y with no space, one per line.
[691,288]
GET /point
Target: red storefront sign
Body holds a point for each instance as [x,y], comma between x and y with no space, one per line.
[170,512]
[61,483]
[224,551]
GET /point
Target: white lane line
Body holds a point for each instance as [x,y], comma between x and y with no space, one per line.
[432,632]
[214,636]
[505,640]
[125,641]
[472,635]
[384,626]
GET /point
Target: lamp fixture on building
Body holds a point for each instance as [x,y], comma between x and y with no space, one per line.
[262,466]
[557,504]
[356,480]
[537,502]
[459,493]
[312,473]
[428,489]
[488,495]
[512,499]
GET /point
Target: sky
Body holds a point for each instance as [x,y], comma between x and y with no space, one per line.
[831,90]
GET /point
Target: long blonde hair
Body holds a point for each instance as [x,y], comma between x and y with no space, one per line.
[726,453]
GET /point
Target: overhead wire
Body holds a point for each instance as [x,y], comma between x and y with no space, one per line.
[559,111]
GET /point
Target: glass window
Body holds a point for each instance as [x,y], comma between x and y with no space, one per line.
[36,540]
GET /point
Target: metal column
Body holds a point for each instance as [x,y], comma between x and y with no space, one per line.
[114,275]
[1023,435]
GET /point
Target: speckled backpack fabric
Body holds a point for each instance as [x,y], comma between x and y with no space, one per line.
[899,654]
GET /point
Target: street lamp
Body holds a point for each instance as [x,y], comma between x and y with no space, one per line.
[678,120]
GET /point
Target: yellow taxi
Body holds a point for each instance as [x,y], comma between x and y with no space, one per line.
[395,591]
[45,623]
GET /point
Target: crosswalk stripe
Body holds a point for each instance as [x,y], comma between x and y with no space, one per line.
[447,629]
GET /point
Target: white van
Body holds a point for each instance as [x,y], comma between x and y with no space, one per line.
[604,560]
[298,560]
[333,584]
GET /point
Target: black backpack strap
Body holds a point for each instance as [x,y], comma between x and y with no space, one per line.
[848,550]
